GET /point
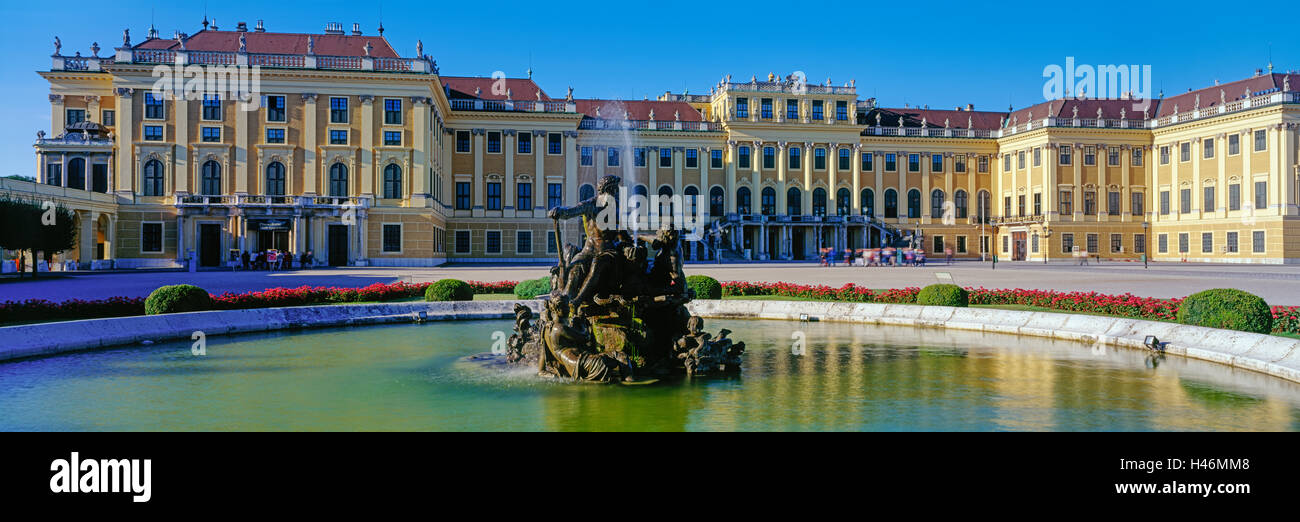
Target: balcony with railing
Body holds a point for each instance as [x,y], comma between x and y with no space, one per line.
[474,104]
[649,125]
[270,201]
[1277,97]
[271,60]
[787,87]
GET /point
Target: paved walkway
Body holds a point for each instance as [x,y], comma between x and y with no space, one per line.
[1277,284]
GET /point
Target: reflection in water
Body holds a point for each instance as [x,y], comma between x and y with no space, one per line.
[850,377]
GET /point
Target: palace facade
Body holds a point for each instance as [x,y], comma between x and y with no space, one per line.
[366,157]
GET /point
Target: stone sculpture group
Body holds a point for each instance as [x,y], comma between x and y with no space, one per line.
[616,311]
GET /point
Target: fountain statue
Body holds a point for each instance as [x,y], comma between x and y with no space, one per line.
[614,313]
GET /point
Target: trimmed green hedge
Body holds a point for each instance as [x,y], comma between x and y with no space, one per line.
[1227,308]
[532,288]
[174,299]
[705,287]
[943,294]
[449,290]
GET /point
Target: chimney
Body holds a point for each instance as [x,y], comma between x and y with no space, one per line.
[356,29]
[970,107]
[214,24]
[1259,72]
[242,27]
[333,28]
[260,28]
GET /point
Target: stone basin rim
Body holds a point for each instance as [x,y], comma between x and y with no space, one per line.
[1268,354]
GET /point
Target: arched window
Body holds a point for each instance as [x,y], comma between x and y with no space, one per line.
[153,178]
[794,202]
[936,203]
[960,201]
[983,207]
[392,181]
[77,173]
[819,202]
[843,202]
[891,203]
[914,203]
[868,202]
[210,180]
[743,201]
[691,199]
[640,190]
[339,180]
[769,201]
[586,191]
[665,190]
[275,179]
[717,201]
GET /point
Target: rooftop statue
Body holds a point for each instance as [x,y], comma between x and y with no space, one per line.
[616,313]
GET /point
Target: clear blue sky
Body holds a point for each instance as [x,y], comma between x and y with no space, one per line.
[937,53]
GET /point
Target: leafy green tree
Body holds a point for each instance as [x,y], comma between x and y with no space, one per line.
[32,226]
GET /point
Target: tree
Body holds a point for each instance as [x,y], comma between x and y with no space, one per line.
[36,227]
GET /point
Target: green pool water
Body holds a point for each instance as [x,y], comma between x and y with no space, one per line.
[849,377]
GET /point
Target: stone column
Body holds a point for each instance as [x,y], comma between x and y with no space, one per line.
[855,199]
[731,177]
[86,239]
[242,143]
[478,187]
[539,167]
[508,188]
[58,115]
[571,169]
[679,161]
[652,170]
[806,196]
[181,165]
[900,164]
[367,144]
[310,170]
[832,176]
[755,179]
[124,179]
[782,174]
[420,151]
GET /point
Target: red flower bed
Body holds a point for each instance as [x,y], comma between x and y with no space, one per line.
[1286,319]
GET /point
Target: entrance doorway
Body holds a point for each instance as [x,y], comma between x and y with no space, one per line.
[209,244]
[773,243]
[1017,246]
[338,245]
[273,240]
[797,243]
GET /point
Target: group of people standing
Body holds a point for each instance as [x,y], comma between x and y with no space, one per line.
[274,260]
[882,256]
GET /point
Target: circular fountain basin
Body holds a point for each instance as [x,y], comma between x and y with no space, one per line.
[842,377]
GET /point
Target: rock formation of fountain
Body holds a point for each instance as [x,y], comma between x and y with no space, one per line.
[614,314]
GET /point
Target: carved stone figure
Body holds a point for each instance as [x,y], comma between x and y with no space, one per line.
[126,38]
[243,43]
[615,312]
[311,44]
[58,46]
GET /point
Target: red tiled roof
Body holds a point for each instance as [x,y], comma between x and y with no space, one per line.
[1111,108]
[639,110]
[277,43]
[1231,91]
[464,86]
[934,118]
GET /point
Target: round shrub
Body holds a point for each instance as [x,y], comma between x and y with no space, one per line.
[449,290]
[1227,308]
[173,299]
[530,289]
[943,294]
[705,287]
